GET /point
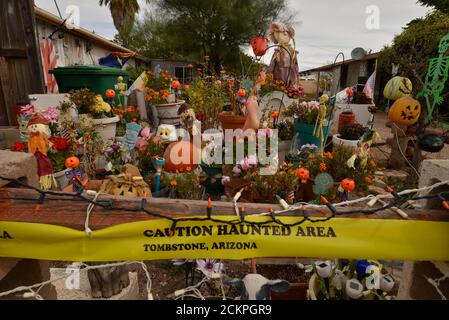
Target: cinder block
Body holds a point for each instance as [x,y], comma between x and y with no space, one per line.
[18,165]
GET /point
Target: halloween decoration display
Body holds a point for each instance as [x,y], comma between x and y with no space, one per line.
[181,156]
[346,186]
[73,175]
[188,119]
[259,46]
[167,132]
[130,183]
[320,120]
[158,164]
[131,135]
[256,287]
[405,111]
[284,63]
[38,144]
[398,87]
[436,79]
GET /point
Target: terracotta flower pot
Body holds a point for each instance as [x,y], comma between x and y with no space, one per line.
[230,121]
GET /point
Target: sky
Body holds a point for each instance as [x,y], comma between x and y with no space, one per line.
[323,27]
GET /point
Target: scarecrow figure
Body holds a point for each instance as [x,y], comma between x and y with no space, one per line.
[38,143]
[284,63]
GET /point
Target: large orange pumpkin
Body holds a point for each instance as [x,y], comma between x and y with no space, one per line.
[181,156]
[405,111]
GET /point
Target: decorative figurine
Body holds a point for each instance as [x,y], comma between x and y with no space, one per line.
[167,132]
[74,175]
[131,135]
[38,144]
[346,186]
[284,63]
[188,119]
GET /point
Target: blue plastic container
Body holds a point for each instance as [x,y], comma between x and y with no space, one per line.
[304,135]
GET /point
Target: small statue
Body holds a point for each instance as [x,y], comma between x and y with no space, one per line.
[320,121]
[38,144]
[284,63]
[120,86]
[188,119]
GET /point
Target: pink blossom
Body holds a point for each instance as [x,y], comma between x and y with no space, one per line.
[51,114]
[146,133]
[314,104]
[28,110]
[252,160]
[236,170]
[225,179]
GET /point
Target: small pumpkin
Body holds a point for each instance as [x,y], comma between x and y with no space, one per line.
[110,94]
[348,185]
[177,158]
[241,93]
[398,87]
[72,162]
[405,111]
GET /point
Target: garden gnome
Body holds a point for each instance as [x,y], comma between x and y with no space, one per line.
[38,133]
[284,63]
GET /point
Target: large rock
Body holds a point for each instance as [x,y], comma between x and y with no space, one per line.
[18,165]
[432,172]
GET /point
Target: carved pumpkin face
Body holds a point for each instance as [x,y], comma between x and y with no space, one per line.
[181,156]
[110,94]
[72,162]
[398,87]
[405,111]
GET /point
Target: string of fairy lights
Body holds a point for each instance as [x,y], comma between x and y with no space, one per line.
[397,200]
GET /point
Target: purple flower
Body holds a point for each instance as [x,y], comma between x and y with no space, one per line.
[209,266]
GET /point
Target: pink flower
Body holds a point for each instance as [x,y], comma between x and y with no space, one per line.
[28,110]
[252,159]
[146,133]
[51,114]
[314,104]
[236,170]
[265,133]
[225,179]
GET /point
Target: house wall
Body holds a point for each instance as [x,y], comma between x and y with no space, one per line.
[171,66]
[73,50]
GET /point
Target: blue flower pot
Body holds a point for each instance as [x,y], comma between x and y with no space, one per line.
[304,135]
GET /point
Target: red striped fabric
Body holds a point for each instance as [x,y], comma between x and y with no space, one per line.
[49,61]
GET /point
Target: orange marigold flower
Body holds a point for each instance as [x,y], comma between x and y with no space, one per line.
[329,155]
[189,169]
[173,183]
[368,180]
[311,156]
[373,163]
[323,166]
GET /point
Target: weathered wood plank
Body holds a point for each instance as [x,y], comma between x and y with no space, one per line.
[69,213]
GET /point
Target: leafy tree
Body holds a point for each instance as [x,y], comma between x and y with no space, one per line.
[441,5]
[123,14]
[194,29]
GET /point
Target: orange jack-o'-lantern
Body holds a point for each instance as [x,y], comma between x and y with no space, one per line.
[348,185]
[181,156]
[72,162]
[241,93]
[405,111]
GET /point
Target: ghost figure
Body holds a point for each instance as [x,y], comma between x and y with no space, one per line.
[167,132]
[38,144]
[284,63]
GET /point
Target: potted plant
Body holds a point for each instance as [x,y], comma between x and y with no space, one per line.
[158,94]
[128,114]
[114,152]
[232,116]
[285,135]
[350,136]
[92,104]
[186,185]
[207,98]
[58,153]
[306,123]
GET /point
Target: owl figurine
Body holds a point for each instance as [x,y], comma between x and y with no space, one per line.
[167,133]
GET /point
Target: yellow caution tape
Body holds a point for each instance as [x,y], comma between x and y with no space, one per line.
[150,240]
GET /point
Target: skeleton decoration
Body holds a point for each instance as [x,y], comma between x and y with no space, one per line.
[436,79]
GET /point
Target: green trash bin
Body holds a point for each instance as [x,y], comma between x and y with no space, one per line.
[96,78]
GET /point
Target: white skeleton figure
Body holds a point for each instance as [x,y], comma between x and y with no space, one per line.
[436,78]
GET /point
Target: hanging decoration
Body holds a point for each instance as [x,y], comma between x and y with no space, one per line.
[259,45]
[436,79]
